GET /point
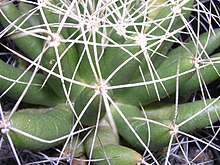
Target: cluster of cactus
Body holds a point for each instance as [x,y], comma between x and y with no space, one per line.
[98,69]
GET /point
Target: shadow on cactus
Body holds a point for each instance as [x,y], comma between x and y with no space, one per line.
[109,80]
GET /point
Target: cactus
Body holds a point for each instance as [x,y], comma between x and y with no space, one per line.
[131,65]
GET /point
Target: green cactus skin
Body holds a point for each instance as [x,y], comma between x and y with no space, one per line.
[90,115]
[104,136]
[69,59]
[140,128]
[57,121]
[130,111]
[116,154]
[49,60]
[36,94]
[165,111]
[73,146]
[87,52]
[209,41]
[157,52]
[209,73]
[33,46]
[29,44]
[120,56]
[155,9]
[54,18]
[106,147]
[24,8]
[140,95]
[185,111]
[47,124]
